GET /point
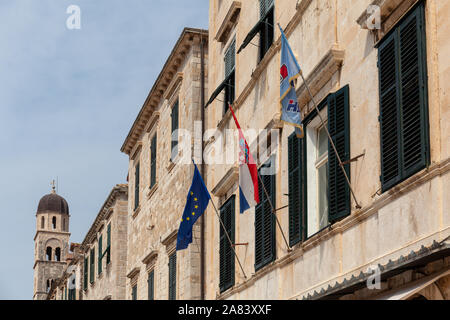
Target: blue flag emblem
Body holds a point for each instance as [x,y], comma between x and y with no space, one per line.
[289,71]
[196,204]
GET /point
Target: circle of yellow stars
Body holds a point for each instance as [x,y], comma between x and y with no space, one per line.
[196,207]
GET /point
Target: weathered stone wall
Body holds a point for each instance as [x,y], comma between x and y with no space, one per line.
[110,284]
[388,225]
[152,228]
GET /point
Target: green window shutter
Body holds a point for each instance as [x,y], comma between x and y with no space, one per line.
[151,285]
[266,35]
[265,223]
[339,128]
[92,266]
[153,161]
[230,66]
[100,254]
[296,200]
[175,124]
[136,185]
[389,113]
[173,276]
[108,243]
[264,7]
[86,266]
[227,215]
[134,292]
[403,100]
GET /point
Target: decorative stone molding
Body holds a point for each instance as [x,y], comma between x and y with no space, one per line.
[152,122]
[391,11]
[135,151]
[170,241]
[228,22]
[320,75]
[150,259]
[133,273]
[228,180]
[152,190]
[173,86]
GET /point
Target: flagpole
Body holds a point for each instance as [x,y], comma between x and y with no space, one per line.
[331,140]
[274,212]
[228,237]
[268,198]
[328,134]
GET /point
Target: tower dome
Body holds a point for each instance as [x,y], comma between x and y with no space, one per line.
[53,203]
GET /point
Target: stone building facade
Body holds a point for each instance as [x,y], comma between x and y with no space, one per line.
[96,268]
[383,95]
[160,174]
[376,71]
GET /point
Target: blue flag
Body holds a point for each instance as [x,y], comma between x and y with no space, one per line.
[196,203]
[289,71]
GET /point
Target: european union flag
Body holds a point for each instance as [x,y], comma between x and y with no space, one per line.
[196,203]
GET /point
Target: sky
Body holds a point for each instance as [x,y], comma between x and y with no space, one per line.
[68,99]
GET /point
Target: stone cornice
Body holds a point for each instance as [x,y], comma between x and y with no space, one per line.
[133,272]
[188,37]
[104,212]
[228,22]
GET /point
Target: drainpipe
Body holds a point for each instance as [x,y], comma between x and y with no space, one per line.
[202,169]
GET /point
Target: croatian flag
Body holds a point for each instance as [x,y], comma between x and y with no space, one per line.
[248,173]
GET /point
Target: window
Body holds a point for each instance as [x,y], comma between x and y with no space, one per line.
[173,276]
[175,123]
[151,285]
[267,27]
[265,221]
[42,223]
[230,63]
[86,263]
[153,162]
[134,292]
[136,186]
[92,266]
[327,194]
[54,223]
[58,254]
[264,27]
[403,100]
[108,243]
[100,254]
[296,159]
[227,215]
[49,253]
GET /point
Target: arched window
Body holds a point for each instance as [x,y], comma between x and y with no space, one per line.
[49,253]
[54,223]
[58,254]
[42,223]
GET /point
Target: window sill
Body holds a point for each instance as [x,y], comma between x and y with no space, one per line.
[152,190]
[136,212]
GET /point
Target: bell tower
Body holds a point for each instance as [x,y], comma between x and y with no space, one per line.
[51,242]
